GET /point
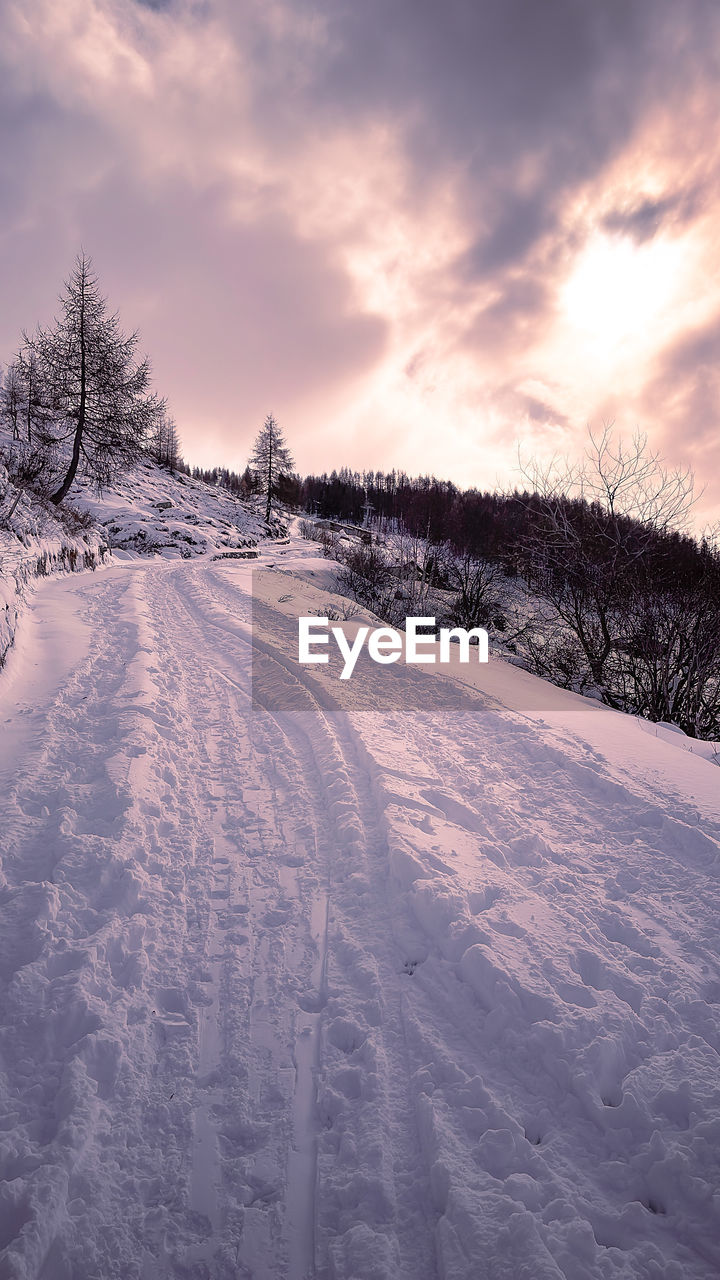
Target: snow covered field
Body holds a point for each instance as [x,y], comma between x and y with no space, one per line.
[396,979]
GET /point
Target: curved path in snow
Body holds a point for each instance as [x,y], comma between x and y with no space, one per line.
[311,981]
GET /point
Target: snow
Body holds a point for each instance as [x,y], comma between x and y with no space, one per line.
[412,976]
[34,542]
[151,510]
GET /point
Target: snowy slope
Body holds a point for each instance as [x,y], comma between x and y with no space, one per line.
[150,510]
[397,978]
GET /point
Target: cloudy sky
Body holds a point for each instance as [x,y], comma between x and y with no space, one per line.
[421,232]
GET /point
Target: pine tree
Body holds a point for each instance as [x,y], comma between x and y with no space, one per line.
[270,460]
[99,392]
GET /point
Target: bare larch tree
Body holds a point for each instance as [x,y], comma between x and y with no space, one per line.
[98,391]
[270,460]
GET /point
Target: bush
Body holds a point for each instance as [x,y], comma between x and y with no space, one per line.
[367,577]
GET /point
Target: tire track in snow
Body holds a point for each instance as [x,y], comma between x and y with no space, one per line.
[268,1048]
[371,1212]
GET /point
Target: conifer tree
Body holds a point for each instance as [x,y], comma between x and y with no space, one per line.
[98,389]
[270,460]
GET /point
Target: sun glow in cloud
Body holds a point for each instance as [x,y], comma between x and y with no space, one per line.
[621,293]
[622,306]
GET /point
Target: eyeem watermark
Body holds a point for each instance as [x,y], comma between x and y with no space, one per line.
[385,644]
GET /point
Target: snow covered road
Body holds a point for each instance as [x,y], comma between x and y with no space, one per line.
[376,981]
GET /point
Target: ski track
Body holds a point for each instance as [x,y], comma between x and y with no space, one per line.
[309,982]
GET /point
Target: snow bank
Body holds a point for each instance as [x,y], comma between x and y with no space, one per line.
[35,541]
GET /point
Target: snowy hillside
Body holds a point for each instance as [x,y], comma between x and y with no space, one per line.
[408,977]
[151,510]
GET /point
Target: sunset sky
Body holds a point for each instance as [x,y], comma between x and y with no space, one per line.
[421,232]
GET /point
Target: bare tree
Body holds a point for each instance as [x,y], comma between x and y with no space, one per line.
[367,576]
[271,459]
[477,586]
[164,442]
[669,659]
[36,396]
[619,479]
[415,566]
[97,390]
[30,458]
[631,479]
[599,526]
[11,399]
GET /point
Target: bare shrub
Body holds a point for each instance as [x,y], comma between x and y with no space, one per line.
[367,577]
